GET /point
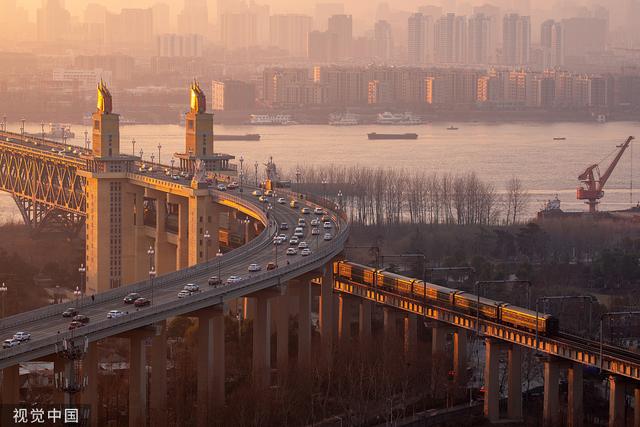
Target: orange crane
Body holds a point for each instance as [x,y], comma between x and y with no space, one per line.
[592,189]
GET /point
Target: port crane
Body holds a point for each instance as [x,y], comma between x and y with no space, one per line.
[593,183]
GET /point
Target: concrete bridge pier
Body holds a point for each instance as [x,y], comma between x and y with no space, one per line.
[364,322]
[345,314]
[302,288]
[493,348]
[262,340]
[575,409]
[459,355]
[165,252]
[89,395]
[210,363]
[410,341]
[280,307]
[158,397]
[137,377]
[616,401]
[182,240]
[514,377]
[390,324]
[327,311]
[550,415]
[11,385]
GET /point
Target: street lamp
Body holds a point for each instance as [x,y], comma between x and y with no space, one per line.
[172,162]
[152,270]
[218,256]
[159,148]
[77,293]
[133,149]
[141,154]
[42,129]
[246,223]
[496,282]
[298,179]
[152,157]
[256,168]
[3,291]
[22,127]
[589,298]
[609,315]
[82,270]
[241,172]
[86,140]
[324,188]
[340,199]
[207,236]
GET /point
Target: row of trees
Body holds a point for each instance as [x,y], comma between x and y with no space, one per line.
[377,196]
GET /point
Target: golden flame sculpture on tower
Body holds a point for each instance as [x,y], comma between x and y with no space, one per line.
[198,100]
[105,102]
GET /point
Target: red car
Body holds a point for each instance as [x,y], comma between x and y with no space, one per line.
[141,302]
[75,324]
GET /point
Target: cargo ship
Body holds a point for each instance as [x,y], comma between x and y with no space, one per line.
[374,135]
[247,137]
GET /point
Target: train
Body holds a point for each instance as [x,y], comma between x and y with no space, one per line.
[432,294]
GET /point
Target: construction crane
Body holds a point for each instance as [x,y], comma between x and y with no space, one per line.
[593,183]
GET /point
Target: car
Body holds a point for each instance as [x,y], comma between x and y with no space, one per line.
[327,236]
[22,336]
[278,240]
[315,222]
[263,199]
[75,324]
[221,187]
[318,211]
[292,251]
[294,240]
[302,222]
[305,211]
[257,193]
[315,231]
[284,226]
[81,318]
[175,177]
[10,343]
[254,267]
[232,186]
[215,281]
[131,298]
[70,312]
[326,225]
[272,266]
[234,279]
[141,302]
[303,245]
[298,233]
[325,218]
[306,252]
[114,314]
[282,200]
[293,204]
[183,294]
[191,287]
[269,193]
[282,236]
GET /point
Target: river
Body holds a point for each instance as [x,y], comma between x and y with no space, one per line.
[495,152]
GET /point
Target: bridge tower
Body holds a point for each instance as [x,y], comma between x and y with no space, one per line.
[114,207]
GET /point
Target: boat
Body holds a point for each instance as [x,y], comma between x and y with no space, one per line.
[347,119]
[374,135]
[559,138]
[271,119]
[56,131]
[406,118]
[452,128]
[247,137]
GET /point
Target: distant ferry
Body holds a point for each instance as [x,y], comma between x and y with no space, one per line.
[559,138]
[247,137]
[56,131]
[388,118]
[347,119]
[271,119]
[452,128]
[374,135]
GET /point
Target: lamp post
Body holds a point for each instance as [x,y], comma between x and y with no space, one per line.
[3,292]
[77,293]
[589,298]
[82,270]
[159,148]
[42,129]
[133,147]
[324,188]
[172,162]
[22,127]
[206,236]
[610,315]
[497,282]
[298,180]
[152,157]
[152,271]
[256,168]
[241,172]
[246,223]
[340,199]
[141,154]
[218,256]
[86,140]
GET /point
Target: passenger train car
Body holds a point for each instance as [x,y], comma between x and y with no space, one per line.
[430,293]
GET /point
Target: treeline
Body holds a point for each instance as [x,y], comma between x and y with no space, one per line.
[378,196]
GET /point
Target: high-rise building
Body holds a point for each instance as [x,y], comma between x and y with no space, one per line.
[324,11]
[342,27]
[451,39]
[479,39]
[179,45]
[291,32]
[131,28]
[382,41]
[419,39]
[239,30]
[161,18]
[194,18]
[322,46]
[233,95]
[516,39]
[552,44]
[53,21]
[584,37]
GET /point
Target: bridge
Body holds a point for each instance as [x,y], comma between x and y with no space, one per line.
[151,230]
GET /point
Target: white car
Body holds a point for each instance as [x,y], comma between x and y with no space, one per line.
[222,187]
[303,245]
[292,251]
[254,267]
[294,240]
[257,193]
[281,200]
[278,240]
[114,314]
[190,287]
[306,252]
[234,279]
[183,293]
[302,222]
[315,222]
[315,231]
[326,225]
[318,211]
[22,336]
[327,236]
[282,236]
[298,233]
[10,343]
[305,211]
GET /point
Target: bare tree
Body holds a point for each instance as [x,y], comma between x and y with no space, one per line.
[517,199]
